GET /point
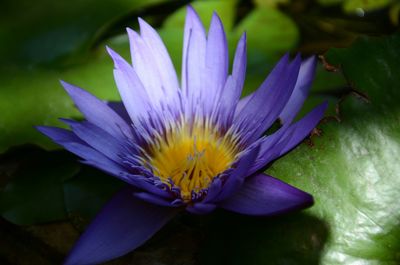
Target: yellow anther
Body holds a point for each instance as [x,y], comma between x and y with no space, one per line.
[191,156]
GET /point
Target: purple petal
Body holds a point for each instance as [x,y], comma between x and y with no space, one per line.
[155,199]
[147,185]
[194,55]
[98,160]
[97,112]
[303,127]
[264,195]
[130,87]
[120,109]
[91,157]
[240,61]
[160,57]
[242,103]
[124,224]
[300,92]
[234,84]
[286,138]
[153,65]
[201,208]
[268,101]
[99,140]
[217,62]
[236,178]
[59,135]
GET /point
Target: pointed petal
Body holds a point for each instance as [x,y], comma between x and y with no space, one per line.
[75,145]
[96,159]
[153,75]
[99,139]
[159,54]
[267,102]
[302,128]
[119,108]
[217,62]
[130,87]
[155,199]
[283,140]
[59,135]
[236,178]
[240,61]
[242,103]
[300,92]
[124,224]
[97,112]
[194,56]
[264,195]
[234,84]
[201,208]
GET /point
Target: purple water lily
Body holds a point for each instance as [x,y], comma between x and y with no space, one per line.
[194,145]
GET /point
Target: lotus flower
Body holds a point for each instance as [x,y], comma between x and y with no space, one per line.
[192,146]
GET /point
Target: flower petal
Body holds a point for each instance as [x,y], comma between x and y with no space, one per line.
[240,61]
[235,178]
[300,92]
[283,140]
[98,160]
[302,128]
[153,65]
[265,105]
[99,139]
[234,84]
[158,200]
[124,224]
[59,135]
[263,195]
[194,56]
[120,109]
[76,146]
[97,112]
[217,62]
[130,87]
[201,208]
[161,58]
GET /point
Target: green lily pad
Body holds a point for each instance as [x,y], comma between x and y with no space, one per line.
[57,32]
[352,169]
[354,6]
[35,97]
[268,31]
[88,191]
[34,193]
[237,239]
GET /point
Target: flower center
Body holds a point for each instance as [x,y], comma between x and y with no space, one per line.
[189,157]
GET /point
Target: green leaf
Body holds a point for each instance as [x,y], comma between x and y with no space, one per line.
[352,169]
[34,193]
[237,239]
[45,31]
[36,97]
[88,191]
[352,6]
[224,9]
[268,31]
[60,36]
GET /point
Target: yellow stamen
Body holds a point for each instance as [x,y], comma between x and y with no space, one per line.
[191,155]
